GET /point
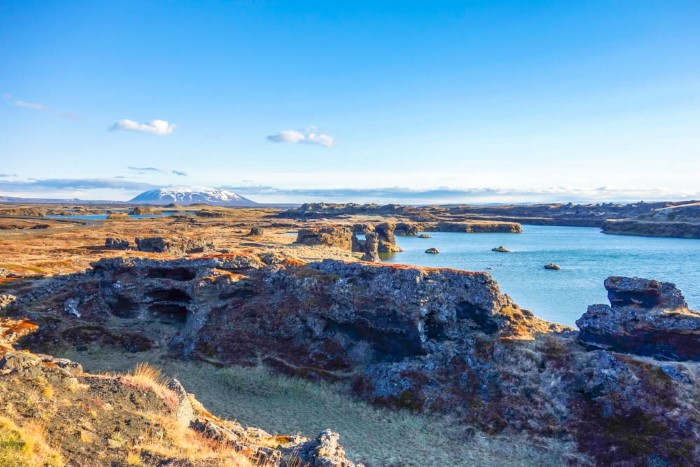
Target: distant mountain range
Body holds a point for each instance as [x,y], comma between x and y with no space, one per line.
[185,196]
[163,196]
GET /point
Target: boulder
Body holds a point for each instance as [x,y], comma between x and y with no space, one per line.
[339,237]
[645,317]
[256,232]
[6,300]
[323,451]
[424,235]
[173,246]
[500,249]
[432,251]
[371,248]
[114,243]
[552,266]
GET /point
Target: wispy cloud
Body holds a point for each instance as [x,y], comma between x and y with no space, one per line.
[156,127]
[54,184]
[309,135]
[39,107]
[6,175]
[143,170]
[179,174]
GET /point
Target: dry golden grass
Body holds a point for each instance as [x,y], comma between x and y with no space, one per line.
[187,445]
[144,377]
[26,445]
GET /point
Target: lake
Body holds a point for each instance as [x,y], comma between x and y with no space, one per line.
[586,257]
[101,217]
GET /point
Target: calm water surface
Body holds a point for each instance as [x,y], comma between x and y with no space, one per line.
[100,217]
[586,257]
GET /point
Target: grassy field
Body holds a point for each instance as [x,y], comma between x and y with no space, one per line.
[375,436]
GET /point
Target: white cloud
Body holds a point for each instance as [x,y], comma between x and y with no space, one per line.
[30,105]
[309,135]
[38,107]
[157,127]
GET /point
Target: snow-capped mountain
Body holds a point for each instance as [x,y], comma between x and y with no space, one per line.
[186,195]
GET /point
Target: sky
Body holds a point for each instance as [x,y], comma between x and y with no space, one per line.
[365,101]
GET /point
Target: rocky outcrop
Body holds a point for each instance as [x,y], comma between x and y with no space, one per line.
[500,249]
[426,339]
[645,317]
[115,243]
[143,210]
[477,227]
[387,239]
[6,300]
[581,215]
[338,237]
[371,248]
[653,228]
[157,422]
[256,232]
[407,229]
[174,246]
[432,251]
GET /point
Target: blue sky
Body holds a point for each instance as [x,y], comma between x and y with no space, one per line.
[413,101]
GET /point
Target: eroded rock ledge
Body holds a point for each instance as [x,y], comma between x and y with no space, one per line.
[646,317]
[433,340]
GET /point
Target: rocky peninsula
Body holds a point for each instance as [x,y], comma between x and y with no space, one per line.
[666,219]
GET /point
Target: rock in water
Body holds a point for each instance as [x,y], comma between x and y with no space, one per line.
[645,317]
[552,266]
[432,251]
[501,249]
[387,239]
[424,235]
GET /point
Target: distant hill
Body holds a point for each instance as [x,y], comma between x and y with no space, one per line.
[15,199]
[187,196]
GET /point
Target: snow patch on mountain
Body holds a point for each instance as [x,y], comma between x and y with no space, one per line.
[192,195]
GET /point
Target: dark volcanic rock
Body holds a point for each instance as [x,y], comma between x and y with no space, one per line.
[425,339]
[406,229]
[339,237]
[175,246]
[653,228]
[371,248]
[646,317]
[478,227]
[114,243]
[387,239]
[143,210]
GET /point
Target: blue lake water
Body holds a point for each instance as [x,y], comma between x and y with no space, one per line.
[100,217]
[586,257]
